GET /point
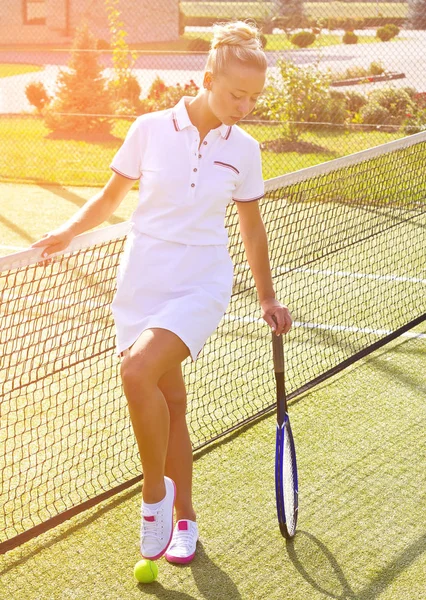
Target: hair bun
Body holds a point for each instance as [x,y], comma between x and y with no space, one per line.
[237,33]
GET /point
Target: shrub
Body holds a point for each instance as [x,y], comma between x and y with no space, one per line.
[37,95]
[303,39]
[375,114]
[376,68]
[388,106]
[387,32]
[350,38]
[82,95]
[126,96]
[394,29]
[415,123]
[395,100]
[355,101]
[161,96]
[298,97]
[123,85]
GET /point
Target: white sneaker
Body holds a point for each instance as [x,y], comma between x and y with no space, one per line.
[157,526]
[184,542]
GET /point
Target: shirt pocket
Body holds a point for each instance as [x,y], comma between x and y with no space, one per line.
[226,177]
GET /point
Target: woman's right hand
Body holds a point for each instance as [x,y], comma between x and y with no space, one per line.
[54,241]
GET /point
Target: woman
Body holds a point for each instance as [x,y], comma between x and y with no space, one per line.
[175,276]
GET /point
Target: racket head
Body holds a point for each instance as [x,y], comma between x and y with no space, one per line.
[286,480]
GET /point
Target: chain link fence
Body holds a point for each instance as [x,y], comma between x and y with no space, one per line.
[343,76]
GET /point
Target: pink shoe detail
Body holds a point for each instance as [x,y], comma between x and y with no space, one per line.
[184,541]
[158,532]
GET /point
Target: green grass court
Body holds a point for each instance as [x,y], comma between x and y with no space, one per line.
[359,436]
[361,458]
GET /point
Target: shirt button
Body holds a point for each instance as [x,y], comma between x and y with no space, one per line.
[195,170]
[192,184]
[205,143]
[199,156]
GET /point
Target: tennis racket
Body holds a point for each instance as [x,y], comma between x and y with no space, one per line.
[286,486]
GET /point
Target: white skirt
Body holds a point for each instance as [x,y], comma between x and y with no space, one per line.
[185,289]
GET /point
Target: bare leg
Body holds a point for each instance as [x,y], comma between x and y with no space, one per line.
[179,451]
[154,353]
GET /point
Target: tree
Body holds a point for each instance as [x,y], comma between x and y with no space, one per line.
[292,11]
[82,102]
[124,86]
[416,18]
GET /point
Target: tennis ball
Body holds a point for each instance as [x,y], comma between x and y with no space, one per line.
[145,571]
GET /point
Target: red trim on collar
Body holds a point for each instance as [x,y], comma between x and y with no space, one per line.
[175,123]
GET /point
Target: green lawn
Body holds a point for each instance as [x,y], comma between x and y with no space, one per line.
[259,10]
[360,535]
[30,155]
[8,70]
[280,41]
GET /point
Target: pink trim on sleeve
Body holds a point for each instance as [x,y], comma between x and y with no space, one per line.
[123,174]
[248,199]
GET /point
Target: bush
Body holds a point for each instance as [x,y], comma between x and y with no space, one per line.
[161,96]
[303,39]
[82,97]
[375,114]
[37,95]
[350,38]
[126,95]
[387,32]
[355,101]
[415,123]
[388,106]
[376,68]
[394,29]
[395,100]
[299,97]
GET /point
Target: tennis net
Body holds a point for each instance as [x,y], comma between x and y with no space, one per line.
[347,243]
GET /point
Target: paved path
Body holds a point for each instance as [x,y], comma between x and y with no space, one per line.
[407,56]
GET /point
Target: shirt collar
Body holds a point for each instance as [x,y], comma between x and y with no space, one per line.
[181,119]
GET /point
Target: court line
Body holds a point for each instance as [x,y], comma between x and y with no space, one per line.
[348,274]
[352,275]
[378,332]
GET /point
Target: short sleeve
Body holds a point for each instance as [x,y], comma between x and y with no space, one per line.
[128,160]
[251,186]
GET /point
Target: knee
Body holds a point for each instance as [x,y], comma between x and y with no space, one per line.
[134,373]
[176,402]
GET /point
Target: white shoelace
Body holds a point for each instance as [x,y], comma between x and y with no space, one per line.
[150,529]
[183,539]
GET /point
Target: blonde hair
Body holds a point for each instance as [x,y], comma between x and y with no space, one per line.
[238,41]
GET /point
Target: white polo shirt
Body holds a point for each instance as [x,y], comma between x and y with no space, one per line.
[184,189]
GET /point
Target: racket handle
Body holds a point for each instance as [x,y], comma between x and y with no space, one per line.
[278,352]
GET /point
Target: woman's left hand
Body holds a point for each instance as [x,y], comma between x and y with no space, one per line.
[276,315]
